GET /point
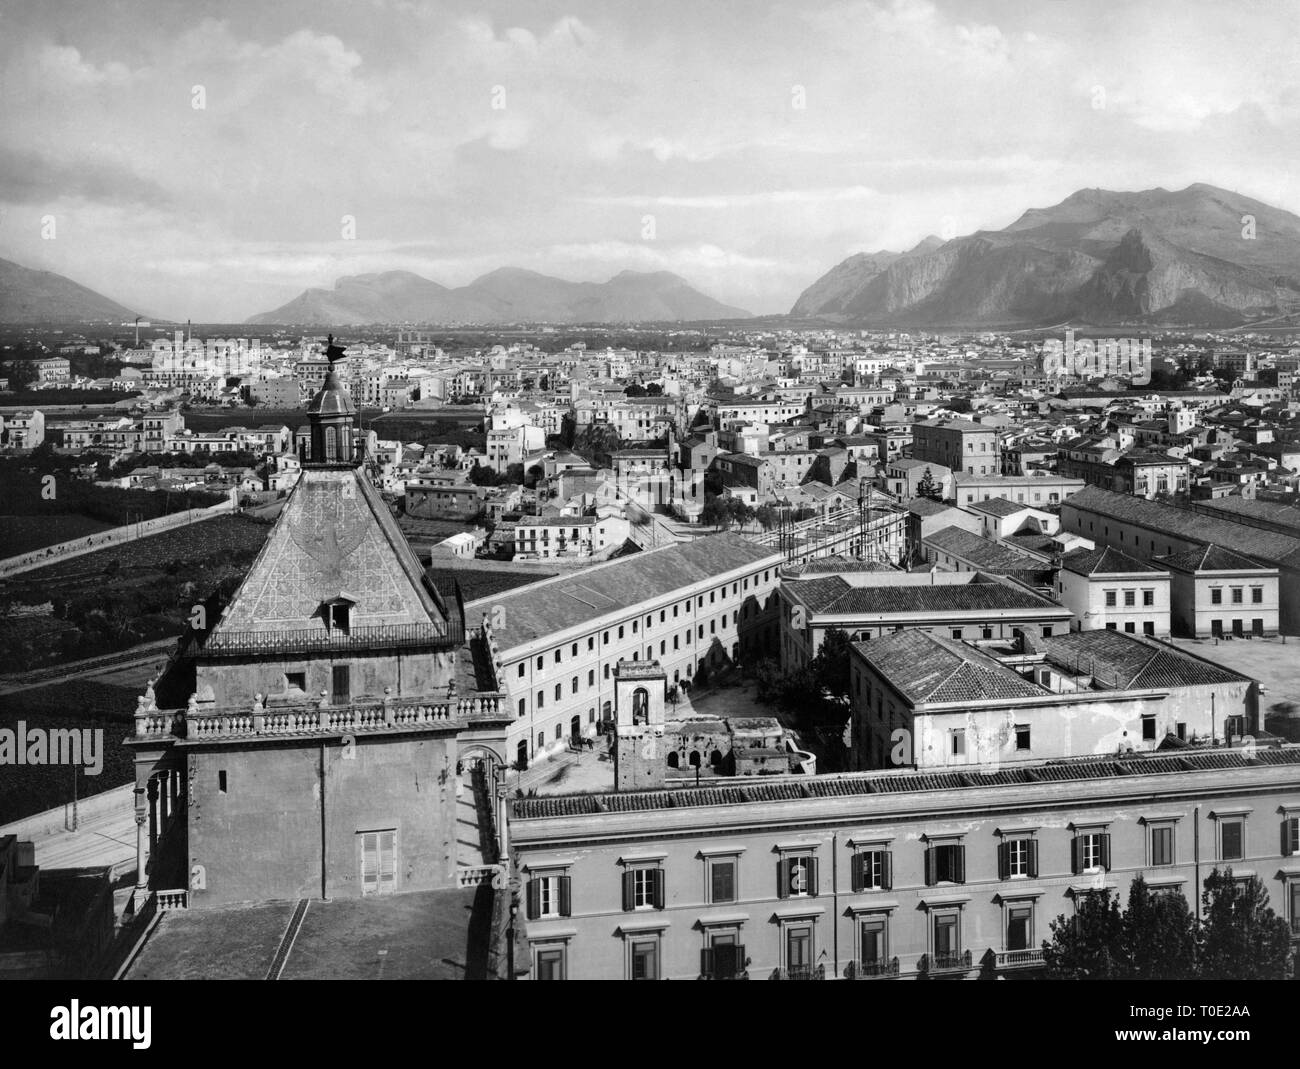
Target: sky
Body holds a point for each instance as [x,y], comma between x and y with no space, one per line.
[209,161]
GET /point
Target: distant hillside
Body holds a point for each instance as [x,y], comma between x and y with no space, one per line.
[28,296]
[507,295]
[1147,258]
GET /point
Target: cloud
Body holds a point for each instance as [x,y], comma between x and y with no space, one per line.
[724,201]
[65,67]
[29,177]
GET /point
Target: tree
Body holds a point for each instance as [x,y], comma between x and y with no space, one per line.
[1089,945]
[482,475]
[654,389]
[634,389]
[830,668]
[927,487]
[714,513]
[1241,937]
[960,405]
[766,516]
[1159,935]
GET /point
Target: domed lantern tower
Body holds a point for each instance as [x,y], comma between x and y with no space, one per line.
[333,417]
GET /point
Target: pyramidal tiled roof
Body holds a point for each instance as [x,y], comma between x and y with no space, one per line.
[1132,662]
[925,667]
[334,538]
[1211,558]
[1102,561]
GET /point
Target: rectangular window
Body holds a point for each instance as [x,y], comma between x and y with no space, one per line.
[1091,852]
[549,963]
[1291,836]
[724,957]
[799,952]
[1020,927]
[341,684]
[957,742]
[1148,728]
[947,943]
[1236,595]
[1162,845]
[1110,599]
[645,959]
[1018,858]
[873,870]
[1130,598]
[722,880]
[874,944]
[1148,597]
[643,888]
[548,896]
[1257,595]
[378,851]
[1232,840]
[1022,737]
[295,681]
[1216,595]
[797,877]
[945,863]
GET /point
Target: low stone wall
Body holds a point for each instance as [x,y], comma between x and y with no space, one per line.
[116,536]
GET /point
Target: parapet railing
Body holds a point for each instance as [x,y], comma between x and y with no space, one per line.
[382,637]
[192,723]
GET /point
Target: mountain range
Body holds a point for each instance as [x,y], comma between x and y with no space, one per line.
[1200,256]
[28,296]
[507,295]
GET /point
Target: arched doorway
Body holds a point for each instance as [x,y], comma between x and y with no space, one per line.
[521,755]
[694,759]
[575,729]
[715,759]
[673,760]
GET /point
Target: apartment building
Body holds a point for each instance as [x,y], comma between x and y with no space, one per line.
[1071,695]
[1215,592]
[889,874]
[24,431]
[1111,590]
[960,445]
[558,641]
[1149,529]
[568,537]
[870,604]
[1042,489]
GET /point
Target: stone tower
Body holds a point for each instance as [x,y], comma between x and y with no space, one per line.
[639,754]
[333,417]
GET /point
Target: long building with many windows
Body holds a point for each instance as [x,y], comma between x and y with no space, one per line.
[559,641]
[898,874]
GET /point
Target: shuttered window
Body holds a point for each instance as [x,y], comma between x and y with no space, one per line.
[549,896]
[643,888]
[797,877]
[378,862]
[873,870]
[945,863]
[1090,852]
[1018,857]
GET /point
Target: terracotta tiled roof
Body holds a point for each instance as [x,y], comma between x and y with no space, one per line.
[1132,662]
[926,667]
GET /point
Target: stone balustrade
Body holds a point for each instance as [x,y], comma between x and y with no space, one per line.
[197,723]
